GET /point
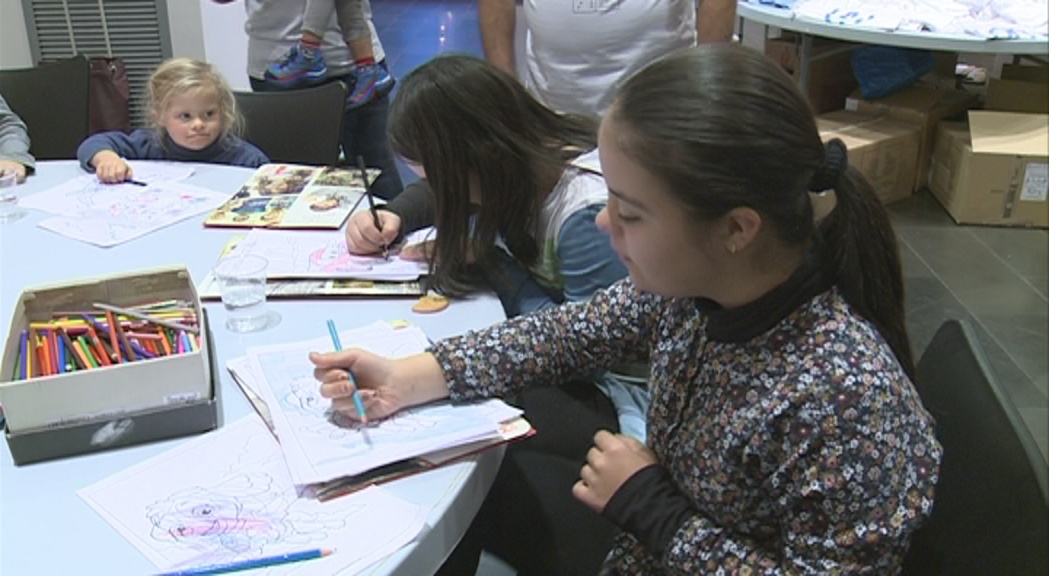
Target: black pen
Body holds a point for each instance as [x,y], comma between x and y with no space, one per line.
[135,182]
[371,204]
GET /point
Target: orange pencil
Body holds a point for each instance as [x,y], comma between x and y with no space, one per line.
[100,351]
[43,357]
[113,341]
[164,340]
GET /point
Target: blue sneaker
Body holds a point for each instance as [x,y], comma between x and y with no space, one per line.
[297,68]
[370,83]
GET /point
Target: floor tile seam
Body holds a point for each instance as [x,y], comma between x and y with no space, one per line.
[1011,268]
[974,318]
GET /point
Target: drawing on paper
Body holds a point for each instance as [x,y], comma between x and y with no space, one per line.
[227,496]
[319,444]
[297,254]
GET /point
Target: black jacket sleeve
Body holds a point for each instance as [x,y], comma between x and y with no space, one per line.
[415,205]
[649,506]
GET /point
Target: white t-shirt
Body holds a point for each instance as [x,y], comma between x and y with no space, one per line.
[577,51]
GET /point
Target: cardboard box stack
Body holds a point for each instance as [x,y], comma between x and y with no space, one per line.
[994,169]
[885,150]
[922,106]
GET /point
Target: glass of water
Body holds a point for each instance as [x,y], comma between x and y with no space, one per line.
[9,210]
[242,284]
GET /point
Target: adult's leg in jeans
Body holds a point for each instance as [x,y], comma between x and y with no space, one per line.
[364,134]
[530,518]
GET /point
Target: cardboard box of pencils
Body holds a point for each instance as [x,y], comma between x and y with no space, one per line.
[103,349]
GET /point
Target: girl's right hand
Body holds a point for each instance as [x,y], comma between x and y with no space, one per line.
[385,385]
[362,237]
[110,167]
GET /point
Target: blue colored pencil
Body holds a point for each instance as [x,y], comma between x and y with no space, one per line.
[356,397]
[253,563]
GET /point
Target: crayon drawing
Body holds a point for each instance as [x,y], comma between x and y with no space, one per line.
[301,254]
[108,214]
[320,444]
[226,496]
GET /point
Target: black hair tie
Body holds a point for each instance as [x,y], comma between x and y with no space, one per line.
[835,161]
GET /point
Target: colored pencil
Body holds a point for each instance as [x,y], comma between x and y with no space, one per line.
[144,316]
[253,563]
[122,337]
[111,321]
[24,363]
[78,356]
[361,412]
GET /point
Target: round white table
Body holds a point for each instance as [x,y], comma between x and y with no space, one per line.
[45,528]
[809,27]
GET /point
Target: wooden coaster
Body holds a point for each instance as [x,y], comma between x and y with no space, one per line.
[430,303]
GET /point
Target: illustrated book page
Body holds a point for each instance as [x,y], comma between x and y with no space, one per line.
[293,196]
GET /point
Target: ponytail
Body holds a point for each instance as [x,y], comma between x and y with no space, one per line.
[858,249]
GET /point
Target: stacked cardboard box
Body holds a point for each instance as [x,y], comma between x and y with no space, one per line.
[922,106]
[994,169]
[885,150]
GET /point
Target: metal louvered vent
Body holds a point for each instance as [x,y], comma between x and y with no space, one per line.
[134,30]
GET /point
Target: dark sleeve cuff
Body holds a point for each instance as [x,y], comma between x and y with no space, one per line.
[650,506]
[415,205]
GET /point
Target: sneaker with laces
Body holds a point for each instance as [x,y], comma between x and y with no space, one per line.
[370,82]
[297,68]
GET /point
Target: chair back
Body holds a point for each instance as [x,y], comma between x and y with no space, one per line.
[991,509]
[52,100]
[296,126]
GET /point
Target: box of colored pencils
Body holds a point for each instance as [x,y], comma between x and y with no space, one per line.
[101,348]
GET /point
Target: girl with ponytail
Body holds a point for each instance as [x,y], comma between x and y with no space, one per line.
[784,433]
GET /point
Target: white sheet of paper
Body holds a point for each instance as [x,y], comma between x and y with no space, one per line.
[322,254]
[108,214]
[320,445]
[226,496]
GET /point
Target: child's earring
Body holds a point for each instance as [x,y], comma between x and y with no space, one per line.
[732,249]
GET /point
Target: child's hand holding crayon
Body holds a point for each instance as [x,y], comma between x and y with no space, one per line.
[110,167]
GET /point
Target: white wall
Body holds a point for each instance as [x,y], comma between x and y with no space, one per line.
[225,43]
[14,44]
[222,38]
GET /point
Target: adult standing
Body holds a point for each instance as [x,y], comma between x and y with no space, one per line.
[273,28]
[577,52]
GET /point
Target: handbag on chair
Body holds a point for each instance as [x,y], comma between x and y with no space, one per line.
[109,92]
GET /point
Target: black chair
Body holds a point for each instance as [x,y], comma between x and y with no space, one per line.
[296,126]
[52,100]
[991,512]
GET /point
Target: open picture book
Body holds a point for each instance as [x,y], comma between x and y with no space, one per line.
[293,196]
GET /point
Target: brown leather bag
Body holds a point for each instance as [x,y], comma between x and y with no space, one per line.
[109,94]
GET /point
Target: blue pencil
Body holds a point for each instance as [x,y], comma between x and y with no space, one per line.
[253,563]
[356,397]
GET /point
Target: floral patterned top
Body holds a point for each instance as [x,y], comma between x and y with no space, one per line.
[799,448]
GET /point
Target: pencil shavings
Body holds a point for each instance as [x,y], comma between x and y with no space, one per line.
[430,303]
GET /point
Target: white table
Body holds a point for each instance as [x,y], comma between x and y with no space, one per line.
[809,27]
[44,526]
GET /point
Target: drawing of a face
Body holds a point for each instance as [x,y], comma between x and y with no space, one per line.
[236,516]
